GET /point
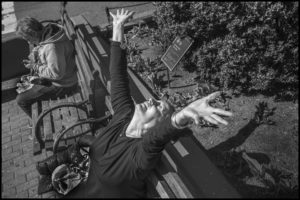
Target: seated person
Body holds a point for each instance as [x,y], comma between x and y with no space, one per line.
[130,146]
[52,60]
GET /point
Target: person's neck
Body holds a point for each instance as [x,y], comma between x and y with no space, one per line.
[132,129]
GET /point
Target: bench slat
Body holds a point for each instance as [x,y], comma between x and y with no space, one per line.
[74,119]
[36,145]
[57,121]
[48,132]
[64,112]
[160,185]
[82,115]
[175,183]
[86,80]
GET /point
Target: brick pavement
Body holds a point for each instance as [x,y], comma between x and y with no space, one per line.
[19,177]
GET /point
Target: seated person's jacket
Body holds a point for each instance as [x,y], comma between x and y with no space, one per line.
[56,57]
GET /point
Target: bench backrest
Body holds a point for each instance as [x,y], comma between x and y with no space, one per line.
[84,72]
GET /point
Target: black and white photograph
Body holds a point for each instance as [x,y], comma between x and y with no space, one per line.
[142,99]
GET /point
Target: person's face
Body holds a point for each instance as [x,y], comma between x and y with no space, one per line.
[151,112]
[31,39]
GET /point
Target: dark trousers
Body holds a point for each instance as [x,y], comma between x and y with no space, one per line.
[40,92]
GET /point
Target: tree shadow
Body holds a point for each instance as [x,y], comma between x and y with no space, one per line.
[238,139]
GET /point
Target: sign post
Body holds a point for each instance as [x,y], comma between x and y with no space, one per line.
[175,52]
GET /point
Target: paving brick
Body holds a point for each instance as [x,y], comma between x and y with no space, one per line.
[5,146]
[6,123]
[27,149]
[25,137]
[5,111]
[19,123]
[7,150]
[4,120]
[14,109]
[17,136]
[29,161]
[9,193]
[14,182]
[32,174]
[14,142]
[13,131]
[19,162]
[13,118]
[10,155]
[32,192]
[6,128]
[26,132]
[25,170]
[23,194]
[27,185]
[16,147]
[7,164]
[27,143]
[24,128]
[7,176]
[6,140]
[5,133]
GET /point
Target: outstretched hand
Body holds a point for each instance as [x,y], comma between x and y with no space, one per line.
[201,109]
[121,17]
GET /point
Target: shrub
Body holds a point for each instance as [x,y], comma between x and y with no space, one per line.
[245,46]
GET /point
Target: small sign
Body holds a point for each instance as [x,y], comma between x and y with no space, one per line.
[176,51]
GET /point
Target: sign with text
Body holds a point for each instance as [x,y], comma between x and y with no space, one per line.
[176,51]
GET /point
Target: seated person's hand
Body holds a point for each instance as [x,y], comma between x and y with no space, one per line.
[201,109]
[28,64]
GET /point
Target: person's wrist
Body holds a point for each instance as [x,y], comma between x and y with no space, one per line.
[117,35]
[176,122]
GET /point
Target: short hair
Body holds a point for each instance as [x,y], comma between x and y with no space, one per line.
[28,26]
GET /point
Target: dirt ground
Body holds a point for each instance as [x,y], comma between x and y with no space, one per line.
[260,159]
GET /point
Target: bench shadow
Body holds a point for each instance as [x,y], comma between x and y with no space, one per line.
[8,95]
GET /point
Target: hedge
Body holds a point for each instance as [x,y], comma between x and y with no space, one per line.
[245,46]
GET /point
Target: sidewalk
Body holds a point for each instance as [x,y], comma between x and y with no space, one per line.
[19,176]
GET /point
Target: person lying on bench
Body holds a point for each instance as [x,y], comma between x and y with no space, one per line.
[131,145]
[52,61]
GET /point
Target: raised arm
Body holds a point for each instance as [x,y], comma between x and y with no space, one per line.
[120,92]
